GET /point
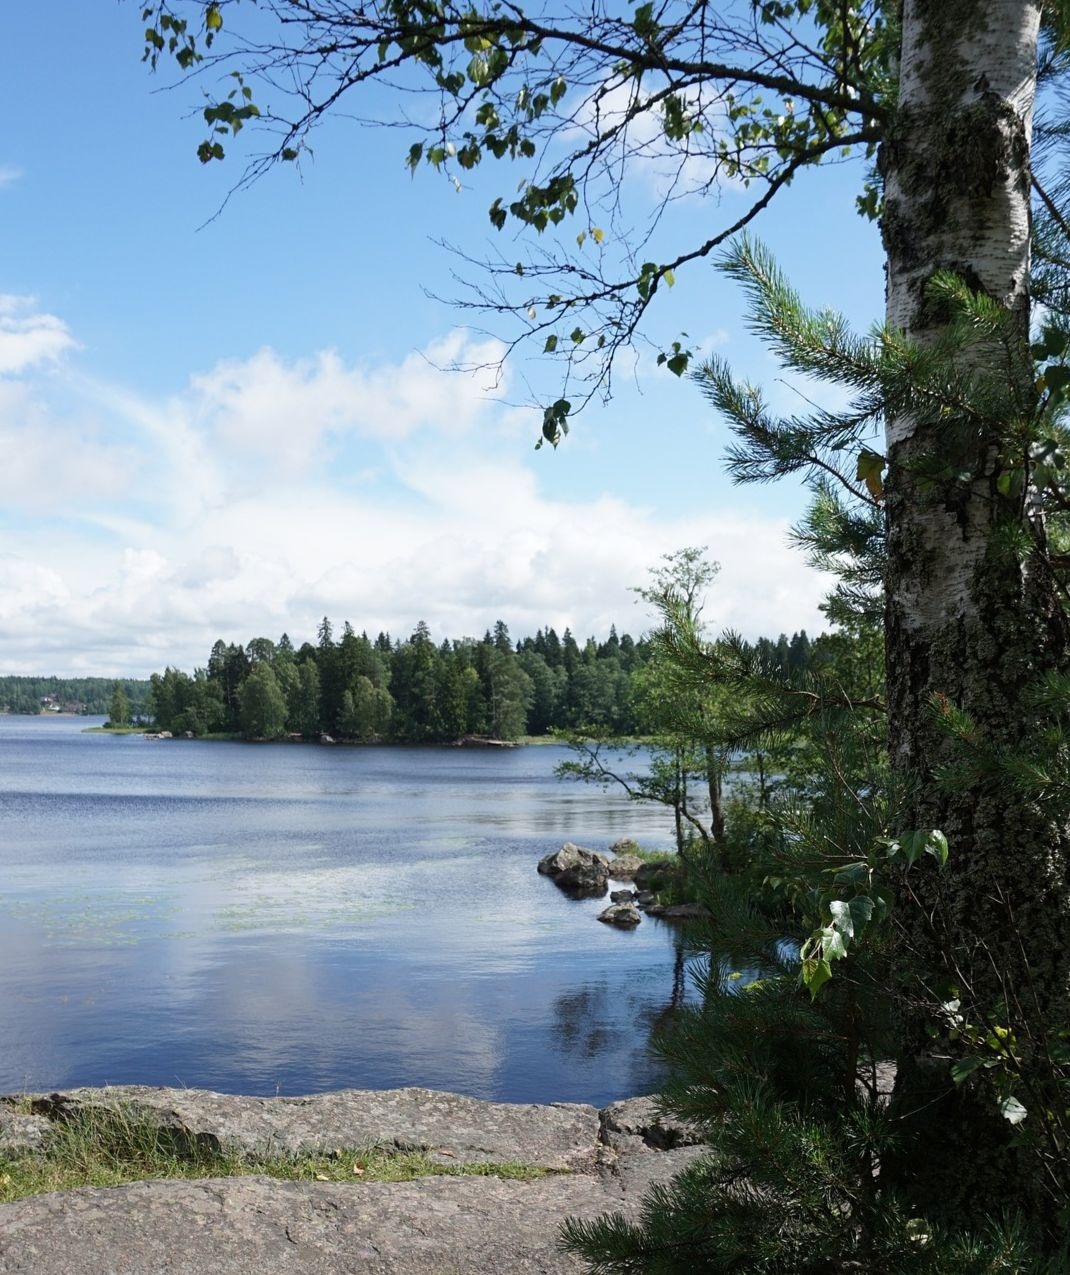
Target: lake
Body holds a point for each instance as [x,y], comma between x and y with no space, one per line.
[299,918]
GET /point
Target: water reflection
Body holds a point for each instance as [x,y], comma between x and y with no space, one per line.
[295,919]
[591,1019]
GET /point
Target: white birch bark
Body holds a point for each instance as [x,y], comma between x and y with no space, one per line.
[963,207]
[969,616]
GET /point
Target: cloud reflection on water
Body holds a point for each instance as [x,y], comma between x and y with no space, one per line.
[303,919]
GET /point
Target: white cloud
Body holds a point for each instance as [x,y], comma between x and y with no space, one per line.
[282,414]
[273,492]
[52,463]
[29,338]
[9,175]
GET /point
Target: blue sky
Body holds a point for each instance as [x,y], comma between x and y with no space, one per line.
[230,426]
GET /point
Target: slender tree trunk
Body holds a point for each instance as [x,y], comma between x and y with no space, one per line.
[713,787]
[763,792]
[678,804]
[970,616]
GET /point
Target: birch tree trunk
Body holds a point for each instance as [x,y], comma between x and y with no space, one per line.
[970,616]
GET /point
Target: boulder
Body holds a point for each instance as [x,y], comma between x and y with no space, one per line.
[624,845]
[647,873]
[646,898]
[21,1133]
[623,915]
[635,1124]
[685,912]
[581,873]
[622,896]
[567,857]
[624,867]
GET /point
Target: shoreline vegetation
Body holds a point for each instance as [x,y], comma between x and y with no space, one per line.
[468,741]
[418,690]
[29,695]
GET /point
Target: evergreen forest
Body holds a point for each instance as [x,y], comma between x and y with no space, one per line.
[419,691]
[88,696]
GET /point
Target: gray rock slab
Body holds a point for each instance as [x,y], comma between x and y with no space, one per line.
[635,1174]
[259,1226]
[431,1226]
[635,1124]
[449,1127]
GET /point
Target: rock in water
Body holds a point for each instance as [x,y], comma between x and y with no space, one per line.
[685,912]
[623,915]
[654,875]
[624,867]
[581,873]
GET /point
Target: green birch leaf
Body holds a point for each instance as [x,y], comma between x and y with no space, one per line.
[842,918]
[861,909]
[815,974]
[1012,1110]
[832,944]
[964,1068]
[936,845]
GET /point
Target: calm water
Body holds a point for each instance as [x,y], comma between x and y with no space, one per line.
[293,919]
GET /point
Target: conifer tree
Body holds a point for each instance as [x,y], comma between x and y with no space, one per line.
[120,706]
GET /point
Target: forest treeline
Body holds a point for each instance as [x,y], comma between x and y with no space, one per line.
[419,690]
[88,695]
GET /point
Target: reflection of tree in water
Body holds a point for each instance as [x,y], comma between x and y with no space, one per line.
[580,1022]
[594,1020]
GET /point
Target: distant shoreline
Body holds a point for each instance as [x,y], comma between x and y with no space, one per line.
[471,742]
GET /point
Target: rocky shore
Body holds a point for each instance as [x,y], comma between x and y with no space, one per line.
[581,873]
[597,1161]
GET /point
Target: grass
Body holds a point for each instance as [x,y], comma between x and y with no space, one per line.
[655,856]
[675,883]
[107,1146]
